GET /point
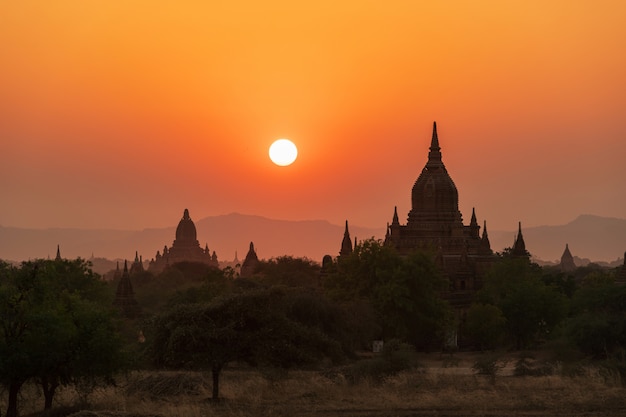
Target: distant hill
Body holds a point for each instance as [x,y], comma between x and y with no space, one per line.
[225,234]
[593,237]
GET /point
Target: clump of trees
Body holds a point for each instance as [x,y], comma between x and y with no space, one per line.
[57,328]
[402,292]
[515,305]
[256,326]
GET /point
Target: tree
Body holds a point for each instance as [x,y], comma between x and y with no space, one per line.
[485,324]
[57,327]
[289,271]
[531,308]
[598,323]
[404,291]
[253,326]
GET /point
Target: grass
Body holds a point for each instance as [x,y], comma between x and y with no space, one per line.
[437,389]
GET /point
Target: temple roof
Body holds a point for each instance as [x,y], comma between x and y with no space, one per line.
[434,196]
[186,230]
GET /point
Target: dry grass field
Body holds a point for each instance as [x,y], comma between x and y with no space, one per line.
[445,386]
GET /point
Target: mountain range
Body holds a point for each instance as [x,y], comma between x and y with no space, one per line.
[592,237]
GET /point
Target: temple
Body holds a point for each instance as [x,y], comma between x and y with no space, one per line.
[435,224]
[567,260]
[346,243]
[184,249]
[249,264]
[124,295]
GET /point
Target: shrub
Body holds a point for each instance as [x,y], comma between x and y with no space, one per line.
[395,357]
[527,366]
[489,365]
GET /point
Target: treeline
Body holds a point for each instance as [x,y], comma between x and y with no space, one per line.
[60,326]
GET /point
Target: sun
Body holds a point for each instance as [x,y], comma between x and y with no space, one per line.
[283,152]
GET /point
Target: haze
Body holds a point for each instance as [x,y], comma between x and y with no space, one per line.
[121,114]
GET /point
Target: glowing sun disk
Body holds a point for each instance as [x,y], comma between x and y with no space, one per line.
[283,152]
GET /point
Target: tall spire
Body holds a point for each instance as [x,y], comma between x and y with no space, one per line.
[249,264]
[473,226]
[346,243]
[567,260]
[434,156]
[484,242]
[519,248]
[58,257]
[395,220]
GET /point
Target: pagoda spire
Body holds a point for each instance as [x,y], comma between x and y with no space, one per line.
[346,243]
[484,242]
[395,220]
[519,247]
[434,156]
[474,227]
[567,260]
[58,257]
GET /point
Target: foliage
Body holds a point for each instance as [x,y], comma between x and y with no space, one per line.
[289,271]
[485,324]
[598,323]
[253,326]
[563,283]
[403,291]
[531,308]
[57,327]
[526,365]
[395,357]
[489,365]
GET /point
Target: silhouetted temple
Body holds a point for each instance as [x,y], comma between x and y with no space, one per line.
[567,260]
[346,243]
[435,224]
[125,296]
[184,249]
[519,246]
[250,263]
[137,265]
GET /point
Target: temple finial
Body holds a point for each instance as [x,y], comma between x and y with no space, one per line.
[346,243]
[58,257]
[434,143]
[186,215]
[434,156]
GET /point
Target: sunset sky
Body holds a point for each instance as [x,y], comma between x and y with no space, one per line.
[120,114]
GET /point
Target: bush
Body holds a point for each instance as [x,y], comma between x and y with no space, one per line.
[395,357]
[527,366]
[489,365]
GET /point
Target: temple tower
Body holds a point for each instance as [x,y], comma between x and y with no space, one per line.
[567,260]
[250,263]
[346,243]
[125,296]
[185,248]
[519,246]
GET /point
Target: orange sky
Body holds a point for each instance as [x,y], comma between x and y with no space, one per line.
[120,114]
